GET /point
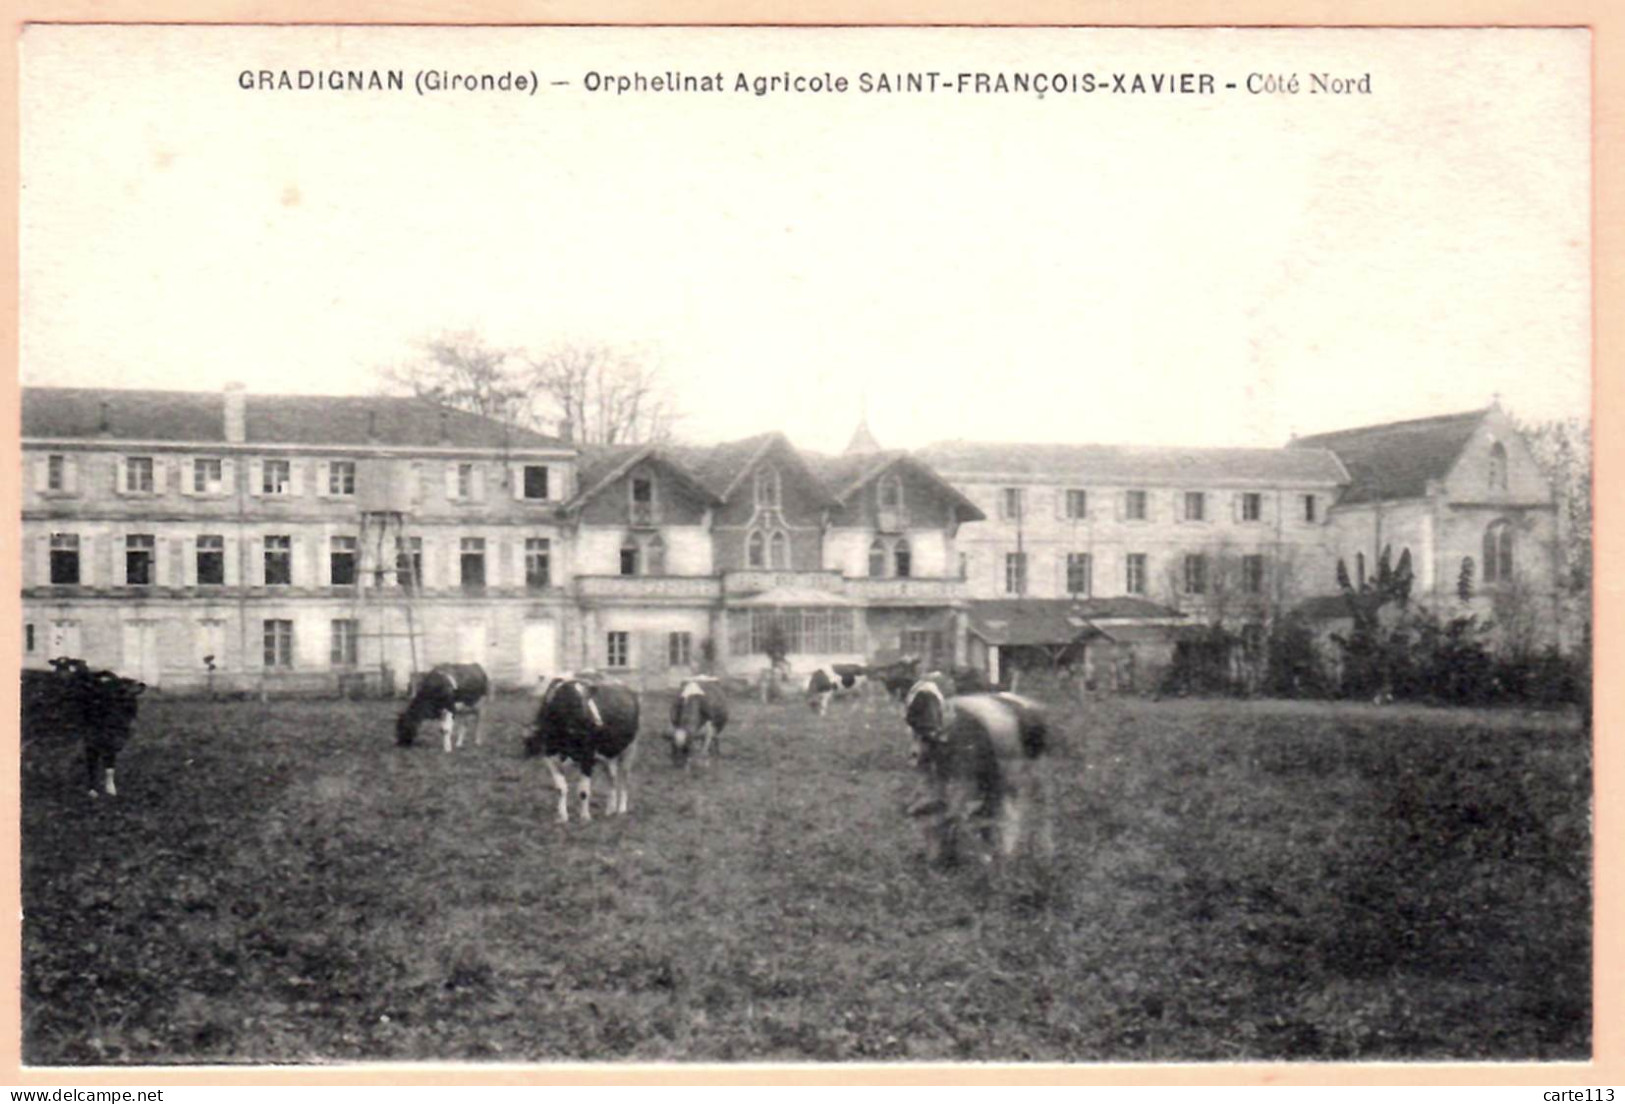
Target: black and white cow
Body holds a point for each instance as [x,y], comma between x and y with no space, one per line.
[836,679]
[587,723]
[447,691]
[699,713]
[926,710]
[985,765]
[74,701]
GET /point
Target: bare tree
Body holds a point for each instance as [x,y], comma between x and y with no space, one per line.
[602,394]
[461,370]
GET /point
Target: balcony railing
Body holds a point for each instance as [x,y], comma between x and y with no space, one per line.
[701,587]
[939,589]
[756,581]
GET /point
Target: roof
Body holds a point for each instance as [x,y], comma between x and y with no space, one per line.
[792,596]
[602,465]
[1036,621]
[863,441]
[848,473]
[199,416]
[1398,459]
[1131,464]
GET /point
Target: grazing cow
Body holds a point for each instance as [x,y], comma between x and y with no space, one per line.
[98,707]
[587,723]
[987,767]
[446,691]
[849,677]
[898,677]
[820,688]
[699,713]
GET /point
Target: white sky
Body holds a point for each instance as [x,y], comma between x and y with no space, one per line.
[1213,270]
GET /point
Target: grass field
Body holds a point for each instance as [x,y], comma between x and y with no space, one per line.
[1234,881]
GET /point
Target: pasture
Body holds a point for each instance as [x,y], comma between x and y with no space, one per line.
[1234,881]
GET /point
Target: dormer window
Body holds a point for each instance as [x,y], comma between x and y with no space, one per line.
[1498,467]
[643,500]
[891,493]
[767,487]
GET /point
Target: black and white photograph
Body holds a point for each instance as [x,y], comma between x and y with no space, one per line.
[851,546]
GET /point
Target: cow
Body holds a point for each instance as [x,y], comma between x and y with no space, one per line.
[834,680]
[820,688]
[98,707]
[898,677]
[700,712]
[986,768]
[447,690]
[926,710]
[587,723]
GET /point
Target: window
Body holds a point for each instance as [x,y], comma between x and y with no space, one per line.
[1498,552]
[1252,507]
[341,558]
[655,556]
[778,548]
[138,475]
[1134,505]
[629,557]
[64,559]
[1196,574]
[1252,574]
[465,482]
[1077,505]
[1079,572]
[1498,477]
[1015,573]
[341,478]
[1195,506]
[1308,507]
[538,563]
[902,559]
[927,644]
[409,563]
[211,561]
[890,493]
[346,634]
[619,649]
[140,559]
[472,563]
[278,644]
[276,477]
[535,482]
[56,474]
[815,631]
[1134,579]
[756,549]
[28,638]
[208,475]
[679,649]
[643,500]
[278,561]
[964,565]
[1010,502]
[767,487]
[877,559]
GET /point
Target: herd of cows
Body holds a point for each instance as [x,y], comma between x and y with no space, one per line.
[980,751]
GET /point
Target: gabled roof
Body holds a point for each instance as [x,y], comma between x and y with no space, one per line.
[1396,460]
[602,465]
[187,416]
[1133,464]
[849,473]
[722,468]
[1049,621]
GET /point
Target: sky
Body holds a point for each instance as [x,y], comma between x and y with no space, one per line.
[1221,269]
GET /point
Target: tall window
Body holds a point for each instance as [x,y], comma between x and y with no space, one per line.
[465,482]
[341,477]
[1010,502]
[902,559]
[471,563]
[211,560]
[655,556]
[629,557]
[140,559]
[1077,504]
[1079,573]
[64,559]
[756,549]
[208,475]
[1309,511]
[1195,506]
[778,551]
[535,485]
[1252,574]
[56,472]
[1498,552]
[1498,473]
[538,563]
[138,477]
[1252,506]
[345,650]
[877,559]
[618,650]
[341,560]
[409,563]
[1015,573]
[1196,574]
[890,492]
[278,561]
[1134,505]
[28,638]
[767,486]
[679,649]
[1134,573]
[276,477]
[643,500]
[278,643]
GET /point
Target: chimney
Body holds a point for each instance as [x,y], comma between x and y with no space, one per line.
[236,416]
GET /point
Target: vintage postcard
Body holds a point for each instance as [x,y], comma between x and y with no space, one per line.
[602,547]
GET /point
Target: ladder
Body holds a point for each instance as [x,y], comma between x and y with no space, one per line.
[384,533]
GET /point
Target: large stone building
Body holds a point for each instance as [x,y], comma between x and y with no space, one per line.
[287,542]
